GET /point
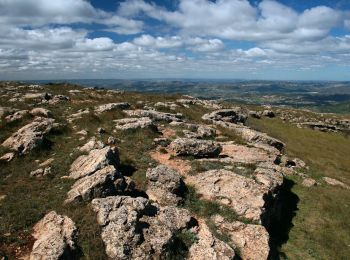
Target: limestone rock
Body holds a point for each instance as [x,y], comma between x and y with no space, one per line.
[243,195]
[309,182]
[39,111]
[111,106]
[16,116]
[209,247]
[134,123]
[335,182]
[102,183]
[93,143]
[252,241]
[7,157]
[30,136]
[133,228]
[155,115]
[97,159]
[268,113]
[233,115]
[165,185]
[195,147]
[55,238]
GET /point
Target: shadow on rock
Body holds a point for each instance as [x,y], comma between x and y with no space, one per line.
[282,208]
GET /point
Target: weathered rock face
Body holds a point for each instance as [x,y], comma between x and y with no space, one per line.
[155,115]
[133,228]
[30,136]
[243,195]
[195,147]
[209,247]
[102,183]
[165,185]
[7,157]
[233,115]
[134,123]
[97,159]
[252,241]
[111,106]
[55,238]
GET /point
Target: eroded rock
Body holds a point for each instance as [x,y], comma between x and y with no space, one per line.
[133,228]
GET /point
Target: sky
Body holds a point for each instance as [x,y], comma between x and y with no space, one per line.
[197,39]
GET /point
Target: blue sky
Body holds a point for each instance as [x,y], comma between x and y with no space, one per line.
[267,39]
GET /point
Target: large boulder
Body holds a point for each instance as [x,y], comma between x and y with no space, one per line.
[111,106]
[195,147]
[30,136]
[165,185]
[133,228]
[97,159]
[232,115]
[55,238]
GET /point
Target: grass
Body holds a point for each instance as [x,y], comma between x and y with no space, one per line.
[321,227]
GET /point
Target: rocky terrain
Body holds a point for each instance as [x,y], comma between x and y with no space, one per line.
[95,174]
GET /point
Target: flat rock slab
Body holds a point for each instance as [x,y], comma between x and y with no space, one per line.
[243,195]
[252,241]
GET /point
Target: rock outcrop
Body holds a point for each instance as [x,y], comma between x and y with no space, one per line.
[133,228]
[55,238]
[165,185]
[195,147]
[30,136]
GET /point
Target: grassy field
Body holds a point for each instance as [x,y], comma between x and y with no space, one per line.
[321,225]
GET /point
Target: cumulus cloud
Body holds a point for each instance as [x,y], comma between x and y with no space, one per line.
[196,37]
